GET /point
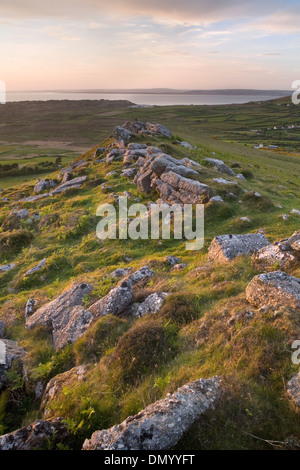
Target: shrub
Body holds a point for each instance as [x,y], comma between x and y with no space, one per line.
[13,242]
[142,349]
[180,309]
[103,335]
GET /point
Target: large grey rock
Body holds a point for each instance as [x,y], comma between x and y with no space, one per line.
[7,267]
[279,255]
[142,275]
[10,353]
[160,425]
[294,241]
[274,289]
[225,248]
[42,185]
[115,302]
[158,129]
[220,165]
[122,136]
[75,183]
[65,315]
[152,304]
[36,436]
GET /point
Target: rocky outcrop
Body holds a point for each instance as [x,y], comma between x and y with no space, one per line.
[36,268]
[220,166]
[56,385]
[294,241]
[43,185]
[160,425]
[274,289]
[280,255]
[225,248]
[36,436]
[7,267]
[64,316]
[10,354]
[152,304]
[115,302]
[75,183]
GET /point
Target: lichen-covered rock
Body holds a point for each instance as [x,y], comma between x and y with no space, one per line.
[294,241]
[7,267]
[36,268]
[141,276]
[225,248]
[274,289]
[115,302]
[152,304]
[56,385]
[42,185]
[160,425]
[173,260]
[65,315]
[220,165]
[122,136]
[75,183]
[36,436]
[279,255]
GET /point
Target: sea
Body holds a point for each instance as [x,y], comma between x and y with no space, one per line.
[143,99]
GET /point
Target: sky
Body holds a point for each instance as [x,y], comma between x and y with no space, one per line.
[181,44]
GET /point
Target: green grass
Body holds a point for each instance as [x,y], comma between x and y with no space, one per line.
[131,363]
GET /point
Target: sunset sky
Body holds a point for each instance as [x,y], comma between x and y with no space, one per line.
[185,44]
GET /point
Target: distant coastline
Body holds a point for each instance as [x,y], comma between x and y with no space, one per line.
[169,91]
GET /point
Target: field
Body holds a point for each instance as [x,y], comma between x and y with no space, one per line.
[198,338]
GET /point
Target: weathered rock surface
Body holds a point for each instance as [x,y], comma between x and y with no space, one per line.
[160,425]
[56,385]
[42,185]
[294,241]
[279,255]
[293,389]
[225,248]
[115,302]
[65,316]
[173,260]
[7,267]
[10,353]
[36,268]
[75,183]
[2,328]
[152,304]
[35,436]
[274,289]
[220,165]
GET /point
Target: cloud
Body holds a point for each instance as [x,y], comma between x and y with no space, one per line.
[189,11]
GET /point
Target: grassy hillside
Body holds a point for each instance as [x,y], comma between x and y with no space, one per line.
[202,329]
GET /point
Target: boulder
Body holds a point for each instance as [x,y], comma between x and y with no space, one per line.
[173,260]
[274,289]
[225,248]
[279,255]
[141,276]
[294,241]
[152,304]
[122,136]
[65,315]
[220,166]
[120,272]
[115,302]
[43,185]
[7,267]
[160,425]
[74,183]
[36,436]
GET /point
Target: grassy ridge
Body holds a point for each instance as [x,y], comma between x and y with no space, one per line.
[203,328]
